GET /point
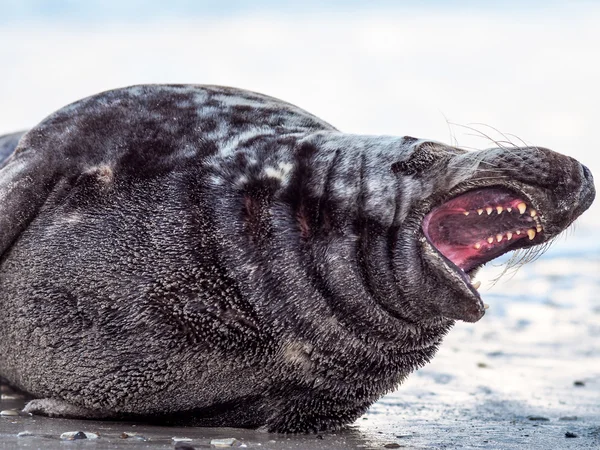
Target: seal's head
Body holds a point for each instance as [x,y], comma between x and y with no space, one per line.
[481,205]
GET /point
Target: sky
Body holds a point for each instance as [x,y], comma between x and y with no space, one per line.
[148,10]
[457,72]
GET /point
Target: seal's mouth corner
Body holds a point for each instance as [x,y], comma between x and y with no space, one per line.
[480,225]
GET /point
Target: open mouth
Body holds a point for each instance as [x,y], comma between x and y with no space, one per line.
[480,225]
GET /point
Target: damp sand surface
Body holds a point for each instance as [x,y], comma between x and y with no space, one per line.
[525,376]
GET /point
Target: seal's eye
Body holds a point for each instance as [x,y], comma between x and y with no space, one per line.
[481,225]
[423,156]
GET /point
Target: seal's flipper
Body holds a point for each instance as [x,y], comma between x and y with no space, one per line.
[58,408]
[26,180]
[8,143]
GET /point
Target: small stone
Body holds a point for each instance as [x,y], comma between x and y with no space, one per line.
[11,397]
[76,435]
[392,445]
[181,439]
[538,418]
[24,434]
[132,435]
[570,418]
[9,412]
[569,434]
[229,442]
[73,435]
[579,383]
[482,365]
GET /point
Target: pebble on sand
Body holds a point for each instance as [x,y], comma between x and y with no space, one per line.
[9,412]
[76,435]
[11,397]
[569,434]
[131,435]
[568,418]
[538,418]
[229,442]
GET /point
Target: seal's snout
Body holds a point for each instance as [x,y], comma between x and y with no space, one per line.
[588,191]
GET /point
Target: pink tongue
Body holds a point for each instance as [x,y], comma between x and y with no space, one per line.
[458,255]
[468,257]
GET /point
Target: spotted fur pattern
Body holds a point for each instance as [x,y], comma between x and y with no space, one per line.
[217,257]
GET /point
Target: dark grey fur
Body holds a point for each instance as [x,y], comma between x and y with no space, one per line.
[219,257]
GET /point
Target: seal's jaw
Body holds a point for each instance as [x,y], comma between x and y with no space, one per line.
[473,228]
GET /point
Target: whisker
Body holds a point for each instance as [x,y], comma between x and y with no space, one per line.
[497,131]
[520,257]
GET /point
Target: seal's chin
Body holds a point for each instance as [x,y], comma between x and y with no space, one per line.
[480,225]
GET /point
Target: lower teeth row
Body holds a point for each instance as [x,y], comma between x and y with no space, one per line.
[531,232]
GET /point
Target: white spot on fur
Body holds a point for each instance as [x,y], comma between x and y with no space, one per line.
[215,180]
[280,173]
[103,173]
[286,167]
[72,218]
[241,180]
[271,172]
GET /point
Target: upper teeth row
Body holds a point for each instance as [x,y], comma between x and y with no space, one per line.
[522,207]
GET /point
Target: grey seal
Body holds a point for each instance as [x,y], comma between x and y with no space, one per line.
[212,256]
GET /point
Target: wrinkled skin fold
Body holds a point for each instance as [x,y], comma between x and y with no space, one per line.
[212,256]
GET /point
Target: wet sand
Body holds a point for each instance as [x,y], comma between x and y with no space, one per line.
[526,376]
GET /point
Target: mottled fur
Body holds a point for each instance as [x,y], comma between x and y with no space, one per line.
[218,257]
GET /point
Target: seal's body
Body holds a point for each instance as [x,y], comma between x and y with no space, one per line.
[218,257]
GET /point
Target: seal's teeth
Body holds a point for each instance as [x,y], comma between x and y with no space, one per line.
[508,236]
[531,233]
[522,207]
[532,212]
[489,210]
[509,209]
[480,211]
[490,240]
[477,245]
[499,209]
[498,237]
[466,213]
[477,284]
[518,232]
[486,306]
[538,228]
